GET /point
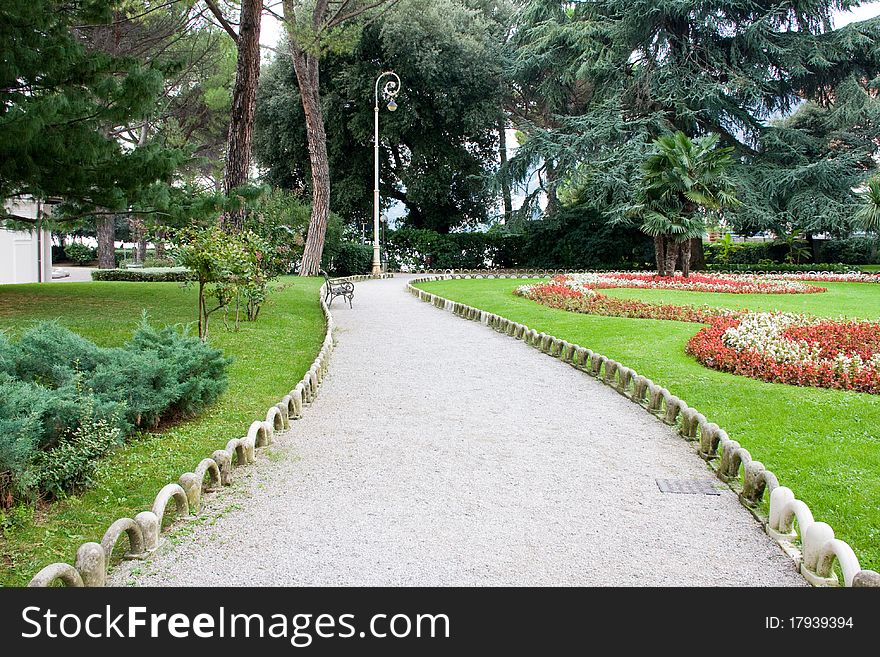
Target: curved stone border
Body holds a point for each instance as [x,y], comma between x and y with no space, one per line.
[145,529]
[790,523]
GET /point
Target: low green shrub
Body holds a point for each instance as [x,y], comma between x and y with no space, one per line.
[155,263]
[351,259]
[80,253]
[72,462]
[59,391]
[784,267]
[854,250]
[743,253]
[145,275]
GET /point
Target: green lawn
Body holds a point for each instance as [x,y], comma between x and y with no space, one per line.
[270,355]
[823,444]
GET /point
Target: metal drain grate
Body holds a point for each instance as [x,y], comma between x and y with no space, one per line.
[688,486]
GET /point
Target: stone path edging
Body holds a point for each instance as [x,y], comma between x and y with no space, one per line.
[144,530]
[789,519]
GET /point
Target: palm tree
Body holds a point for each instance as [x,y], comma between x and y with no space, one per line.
[868,215]
[682,180]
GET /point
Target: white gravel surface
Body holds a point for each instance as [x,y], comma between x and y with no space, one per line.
[440,452]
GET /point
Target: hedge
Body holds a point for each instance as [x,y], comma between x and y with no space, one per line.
[784,267]
[145,275]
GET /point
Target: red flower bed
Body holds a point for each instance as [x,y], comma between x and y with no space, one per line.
[726,283]
[836,338]
[826,354]
[563,297]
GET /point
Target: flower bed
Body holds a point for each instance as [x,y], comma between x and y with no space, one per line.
[727,283]
[829,277]
[793,349]
[588,301]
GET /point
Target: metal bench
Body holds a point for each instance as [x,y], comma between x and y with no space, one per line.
[337,288]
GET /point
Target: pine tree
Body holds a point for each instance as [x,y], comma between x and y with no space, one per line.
[57,98]
[734,68]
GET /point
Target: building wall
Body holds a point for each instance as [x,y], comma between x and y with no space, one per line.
[24,253]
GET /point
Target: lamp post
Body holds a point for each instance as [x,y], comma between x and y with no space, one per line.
[389,91]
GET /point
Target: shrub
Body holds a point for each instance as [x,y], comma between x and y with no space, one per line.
[155,263]
[54,382]
[50,355]
[783,267]
[413,248]
[579,237]
[351,259]
[72,462]
[154,275]
[80,253]
[197,372]
[745,253]
[854,251]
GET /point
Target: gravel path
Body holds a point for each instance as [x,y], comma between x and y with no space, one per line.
[442,453]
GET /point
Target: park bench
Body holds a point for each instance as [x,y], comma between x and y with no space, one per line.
[337,288]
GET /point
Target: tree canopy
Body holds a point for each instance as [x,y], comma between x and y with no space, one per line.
[794,98]
[59,103]
[436,148]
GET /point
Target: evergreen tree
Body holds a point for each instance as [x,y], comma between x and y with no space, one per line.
[652,67]
[57,99]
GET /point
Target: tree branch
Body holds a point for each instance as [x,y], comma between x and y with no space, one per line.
[212,5]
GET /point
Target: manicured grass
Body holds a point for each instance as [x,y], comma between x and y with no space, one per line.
[823,444]
[270,355]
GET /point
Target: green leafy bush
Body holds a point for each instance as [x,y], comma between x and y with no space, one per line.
[53,382]
[744,253]
[70,464]
[853,251]
[80,253]
[351,259]
[145,275]
[413,248]
[784,267]
[154,263]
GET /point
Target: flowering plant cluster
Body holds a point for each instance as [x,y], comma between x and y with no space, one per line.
[729,283]
[586,300]
[829,277]
[793,349]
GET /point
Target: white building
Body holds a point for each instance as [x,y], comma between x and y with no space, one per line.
[25,255]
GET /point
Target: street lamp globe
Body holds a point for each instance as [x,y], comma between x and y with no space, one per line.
[392,106]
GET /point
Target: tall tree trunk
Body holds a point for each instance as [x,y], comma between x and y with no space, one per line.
[671,256]
[505,179]
[660,255]
[686,258]
[106,225]
[813,245]
[698,255]
[138,232]
[550,189]
[244,96]
[307,71]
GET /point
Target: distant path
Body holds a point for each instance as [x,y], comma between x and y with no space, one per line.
[440,452]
